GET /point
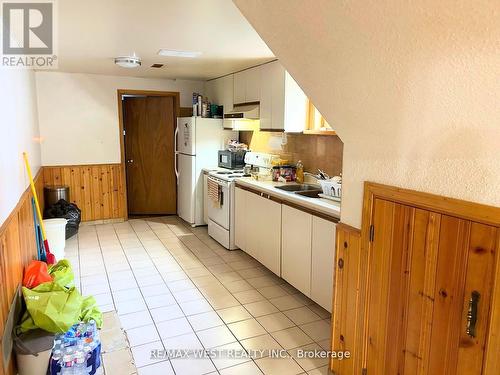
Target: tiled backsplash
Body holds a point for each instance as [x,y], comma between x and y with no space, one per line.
[315,151]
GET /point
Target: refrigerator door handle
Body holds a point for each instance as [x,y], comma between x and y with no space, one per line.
[176,153]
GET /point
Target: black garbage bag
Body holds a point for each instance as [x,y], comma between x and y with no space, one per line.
[68,211]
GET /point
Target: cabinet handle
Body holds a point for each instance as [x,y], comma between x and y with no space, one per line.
[470,329]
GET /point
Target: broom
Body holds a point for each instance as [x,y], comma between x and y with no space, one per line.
[51,259]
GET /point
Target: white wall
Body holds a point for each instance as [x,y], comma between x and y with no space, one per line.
[78,114]
[18,133]
[412,88]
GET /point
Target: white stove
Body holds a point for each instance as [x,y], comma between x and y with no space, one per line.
[227,174]
[221,213]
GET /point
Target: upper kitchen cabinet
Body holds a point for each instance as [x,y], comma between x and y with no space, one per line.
[220,91]
[247,86]
[283,104]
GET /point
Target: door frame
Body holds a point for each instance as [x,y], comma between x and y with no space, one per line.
[476,212]
[177,107]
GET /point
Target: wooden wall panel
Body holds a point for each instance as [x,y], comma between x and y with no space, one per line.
[17,248]
[98,190]
[348,304]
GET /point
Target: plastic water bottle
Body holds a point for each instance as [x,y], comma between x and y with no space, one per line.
[80,367]
[67,365]
[55,362]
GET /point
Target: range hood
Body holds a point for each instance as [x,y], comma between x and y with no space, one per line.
[243,117]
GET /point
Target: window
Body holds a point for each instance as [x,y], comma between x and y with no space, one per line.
[316,124]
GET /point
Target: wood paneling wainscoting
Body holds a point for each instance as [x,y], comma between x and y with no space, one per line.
[17,248]
[418,289]
[98,190]
[348,304]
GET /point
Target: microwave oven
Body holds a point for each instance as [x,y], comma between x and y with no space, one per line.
[231,159]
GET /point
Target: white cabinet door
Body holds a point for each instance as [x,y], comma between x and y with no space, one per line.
[322,267]
[253,226]
[295,106]
[240,218]
[266,99]
[269,233]
[252,77]
[296,248]
[225,93]
[239,87]
[278,95]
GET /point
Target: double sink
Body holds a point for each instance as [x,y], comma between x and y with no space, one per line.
[306,190]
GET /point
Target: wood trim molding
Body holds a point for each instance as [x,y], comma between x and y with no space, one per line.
[119,93]
[478,212]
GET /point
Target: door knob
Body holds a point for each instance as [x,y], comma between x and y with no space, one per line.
[130,161]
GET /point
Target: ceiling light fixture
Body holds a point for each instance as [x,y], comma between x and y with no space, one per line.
[174,53]
[128,61]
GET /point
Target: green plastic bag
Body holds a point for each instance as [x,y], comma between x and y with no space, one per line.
[51,307]
[56,305]
[90,311]
[62,273]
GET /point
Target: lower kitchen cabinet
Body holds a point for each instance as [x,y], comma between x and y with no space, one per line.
[322,262]
[294,244]
[296,231]
[258,228]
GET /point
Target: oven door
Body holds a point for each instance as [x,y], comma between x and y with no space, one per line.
[220,213]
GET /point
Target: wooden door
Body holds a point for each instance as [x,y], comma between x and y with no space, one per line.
[426,271]
[149,154]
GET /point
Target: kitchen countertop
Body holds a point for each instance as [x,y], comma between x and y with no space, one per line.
[322,205]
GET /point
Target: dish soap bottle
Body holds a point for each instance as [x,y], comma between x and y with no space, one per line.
[299,173]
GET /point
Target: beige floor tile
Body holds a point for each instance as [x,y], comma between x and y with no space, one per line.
[195,307]
[234,314]
[192,366]
[142,353]
[302,315]
[261,345]
[286,302]
[187,295]
[205,320]
[216,336]
[174,327]
[248,296]
[137,319]
[279,366]
[188,342]
[324,370]
[238,286]
[260,308]
[275,322]
[164,313]
[163,368]
[292,337]
[246,328]
[272,291]
[247,368]
[307,362]
[142,335]
[318,331]
[224,361]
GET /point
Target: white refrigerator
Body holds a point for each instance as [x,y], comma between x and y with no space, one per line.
[197,141]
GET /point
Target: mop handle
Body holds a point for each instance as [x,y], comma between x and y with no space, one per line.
[33,190]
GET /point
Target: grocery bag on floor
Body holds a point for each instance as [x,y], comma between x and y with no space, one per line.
[90,311]
[35,274]
[51,307]
[62,273]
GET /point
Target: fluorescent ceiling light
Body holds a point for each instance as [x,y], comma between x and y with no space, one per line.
[174,53]
[128,61]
